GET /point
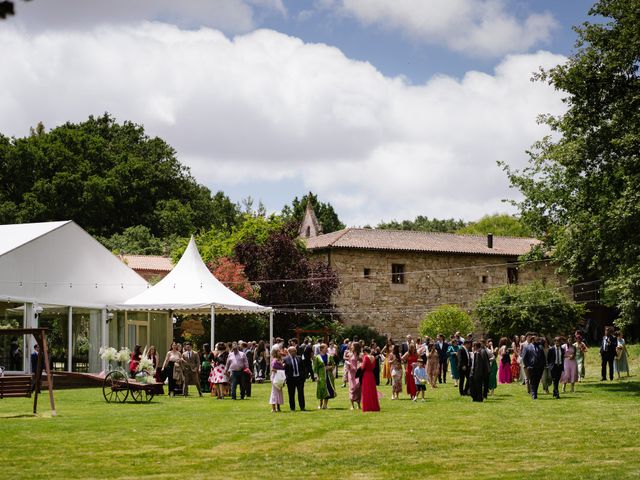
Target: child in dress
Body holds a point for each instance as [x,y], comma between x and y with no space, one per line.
[421,379]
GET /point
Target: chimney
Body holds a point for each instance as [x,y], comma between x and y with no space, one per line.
[490,240]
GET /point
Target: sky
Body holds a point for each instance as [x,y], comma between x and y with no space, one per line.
[387,109]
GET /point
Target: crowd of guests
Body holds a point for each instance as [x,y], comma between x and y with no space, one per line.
[476,367]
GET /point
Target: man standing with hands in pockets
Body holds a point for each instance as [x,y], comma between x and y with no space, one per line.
[295,374]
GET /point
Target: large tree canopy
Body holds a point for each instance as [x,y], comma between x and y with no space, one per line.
[581,186]
[107,177]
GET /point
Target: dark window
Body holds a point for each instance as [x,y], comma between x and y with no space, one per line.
[308,232]
[367,273]
[397,273]
[512,275]
[485,279]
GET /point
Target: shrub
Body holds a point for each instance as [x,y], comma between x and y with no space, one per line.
[515,309]
[446,319]
[363,332]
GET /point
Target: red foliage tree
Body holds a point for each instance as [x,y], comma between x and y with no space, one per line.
[288,278]
[231,274]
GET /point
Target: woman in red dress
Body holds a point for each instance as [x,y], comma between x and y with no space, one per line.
[409,359]
[369,394]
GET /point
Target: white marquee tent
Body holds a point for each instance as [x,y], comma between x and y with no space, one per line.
[191,286]
[57,272]
[60,263]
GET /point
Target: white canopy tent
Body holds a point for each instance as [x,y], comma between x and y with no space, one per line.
[191,286]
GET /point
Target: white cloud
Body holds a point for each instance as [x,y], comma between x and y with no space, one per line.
[266,107]
[477,27]
[232,16]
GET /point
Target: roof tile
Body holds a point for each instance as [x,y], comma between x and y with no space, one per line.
[404,240]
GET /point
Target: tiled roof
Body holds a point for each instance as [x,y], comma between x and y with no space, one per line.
[403,240]
[148,262]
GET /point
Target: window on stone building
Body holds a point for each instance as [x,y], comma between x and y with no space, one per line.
[308,232]
[512,275]
[397,273]
[485,279]
[367,273]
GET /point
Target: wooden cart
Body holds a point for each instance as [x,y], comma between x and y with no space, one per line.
[117,387]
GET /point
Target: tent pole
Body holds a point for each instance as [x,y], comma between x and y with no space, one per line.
[270,330]
[70,340]
[213,327]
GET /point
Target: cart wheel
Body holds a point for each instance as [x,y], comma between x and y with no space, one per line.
[142,395]
[115,387]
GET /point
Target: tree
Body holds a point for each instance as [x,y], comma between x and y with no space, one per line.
[138,240]
[446,320]
[221,242]
[581,184]
[107,177]
[326,215]
[288,278]
[514,309]
[498,224]
[424,224]
[231,274]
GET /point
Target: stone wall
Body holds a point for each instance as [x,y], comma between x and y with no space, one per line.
[430,279]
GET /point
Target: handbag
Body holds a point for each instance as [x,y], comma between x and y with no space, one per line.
[279,379]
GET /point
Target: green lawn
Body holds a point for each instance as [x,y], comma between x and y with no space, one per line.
[593,433]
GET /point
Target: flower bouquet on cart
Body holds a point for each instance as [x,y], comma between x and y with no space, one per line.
[145,369]
[115,359]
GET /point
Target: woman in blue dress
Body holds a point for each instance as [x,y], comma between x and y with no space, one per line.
[452,352]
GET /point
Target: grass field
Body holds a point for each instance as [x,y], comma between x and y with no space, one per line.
[593,433]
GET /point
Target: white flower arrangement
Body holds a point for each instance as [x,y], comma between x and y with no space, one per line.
[124,355]
[108,354]
[145,364]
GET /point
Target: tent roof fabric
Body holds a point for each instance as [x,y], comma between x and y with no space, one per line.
[59,263]
[15,235]
[190,286]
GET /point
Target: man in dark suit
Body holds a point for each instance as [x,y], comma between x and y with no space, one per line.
[555,364]
[534,361]
[404,348]
[34,365]
[295,375]
[307,357]
[441,347]
[608,346]
[479,376]
[247,378]
[464,364]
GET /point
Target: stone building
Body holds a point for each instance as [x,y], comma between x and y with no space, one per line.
[390,279]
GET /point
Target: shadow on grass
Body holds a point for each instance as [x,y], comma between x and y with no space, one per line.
[617,386]
[19,415]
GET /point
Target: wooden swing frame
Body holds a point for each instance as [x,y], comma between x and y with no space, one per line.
[39,334]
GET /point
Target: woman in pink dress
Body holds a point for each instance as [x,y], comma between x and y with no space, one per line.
[351,365]
[277,397]
[409,359]
[504,369]
[570,372]
[369,393]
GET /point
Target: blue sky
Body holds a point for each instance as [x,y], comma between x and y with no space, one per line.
[386,109]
